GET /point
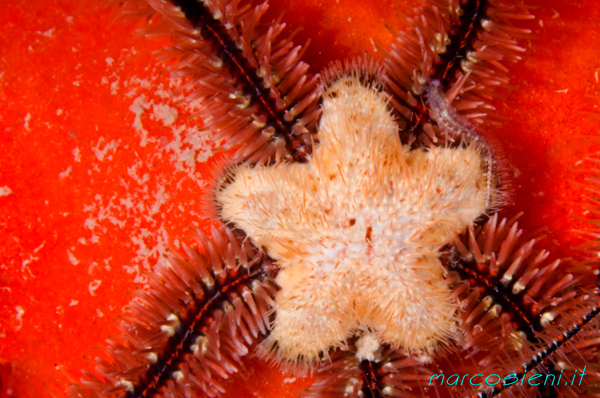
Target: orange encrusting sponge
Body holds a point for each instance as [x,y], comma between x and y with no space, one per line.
[101,171]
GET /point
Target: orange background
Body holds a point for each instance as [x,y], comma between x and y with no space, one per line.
[101,172]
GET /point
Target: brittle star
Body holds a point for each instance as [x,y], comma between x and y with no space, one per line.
[337,220]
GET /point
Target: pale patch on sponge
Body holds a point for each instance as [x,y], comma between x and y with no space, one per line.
[357,232]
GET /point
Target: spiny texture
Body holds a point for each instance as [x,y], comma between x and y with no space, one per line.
[520,314]
[249,78]
[362,229]
[466,47]
[395,374]
[364,215]
[519,309]
[188,332]
[582,351]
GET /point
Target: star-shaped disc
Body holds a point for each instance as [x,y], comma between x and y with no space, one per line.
[357,230]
